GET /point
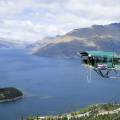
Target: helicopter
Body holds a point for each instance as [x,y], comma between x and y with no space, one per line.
[103,63]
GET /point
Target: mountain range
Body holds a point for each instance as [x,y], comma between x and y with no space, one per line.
[10,43]
[96,37]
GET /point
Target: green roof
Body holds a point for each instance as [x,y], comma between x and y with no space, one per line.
[102,54]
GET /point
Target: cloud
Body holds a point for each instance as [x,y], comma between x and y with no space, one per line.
[31,20]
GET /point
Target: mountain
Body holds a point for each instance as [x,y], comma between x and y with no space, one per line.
[5,43]
[96,37]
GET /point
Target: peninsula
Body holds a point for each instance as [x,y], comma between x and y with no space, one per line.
[10,94]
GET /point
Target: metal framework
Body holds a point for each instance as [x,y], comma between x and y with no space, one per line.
[104,64]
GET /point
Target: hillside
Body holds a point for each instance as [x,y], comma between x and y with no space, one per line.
[108,111]
[96,37]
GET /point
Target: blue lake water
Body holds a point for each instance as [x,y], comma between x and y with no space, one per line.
[50,85]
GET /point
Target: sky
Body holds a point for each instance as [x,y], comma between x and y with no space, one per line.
[32,20]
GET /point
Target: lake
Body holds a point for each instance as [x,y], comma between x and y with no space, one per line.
[50,85]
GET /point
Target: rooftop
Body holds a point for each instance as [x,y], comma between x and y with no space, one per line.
[102,54]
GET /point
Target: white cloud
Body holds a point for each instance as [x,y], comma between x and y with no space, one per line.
[30,20]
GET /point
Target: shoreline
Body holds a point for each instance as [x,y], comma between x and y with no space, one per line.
[95,110]
[11,100]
